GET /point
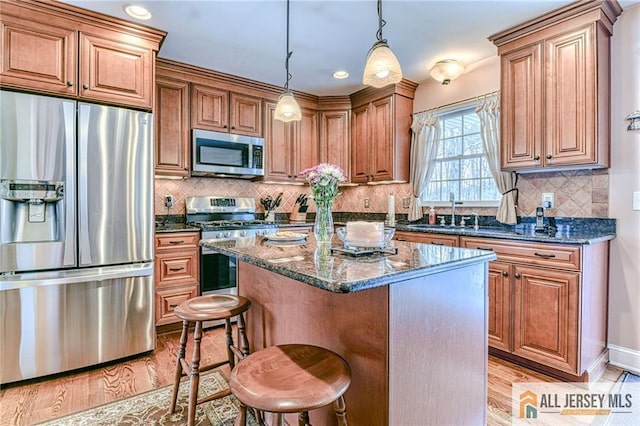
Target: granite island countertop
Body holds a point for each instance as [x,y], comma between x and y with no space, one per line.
[318,266]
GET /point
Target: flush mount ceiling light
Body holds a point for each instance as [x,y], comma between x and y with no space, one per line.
[137,12]
[340,75]
[287,109]
[446,71]
[382,67]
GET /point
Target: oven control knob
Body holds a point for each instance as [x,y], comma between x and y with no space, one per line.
[227,234]
[219,235]
[243,233]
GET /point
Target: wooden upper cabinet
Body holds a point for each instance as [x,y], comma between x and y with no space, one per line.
[290,147]
[334,140]
[521,107]
[570,99]
[115,72]
[172,130]
[53,48]
[245,114]
[555,89]
[224,111]
[360,171]
[380,133]
[38,56]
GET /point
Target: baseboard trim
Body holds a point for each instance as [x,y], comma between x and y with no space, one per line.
[625,358]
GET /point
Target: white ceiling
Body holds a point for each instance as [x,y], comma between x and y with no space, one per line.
[247,38]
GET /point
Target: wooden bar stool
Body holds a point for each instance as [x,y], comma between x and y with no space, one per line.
[291,379]
[208,308]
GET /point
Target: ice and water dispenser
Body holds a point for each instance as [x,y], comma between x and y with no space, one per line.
[31,211]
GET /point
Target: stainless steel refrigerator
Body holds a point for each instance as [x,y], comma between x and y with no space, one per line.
[76,234]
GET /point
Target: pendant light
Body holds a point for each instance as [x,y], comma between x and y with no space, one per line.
[287,109]
[382,67]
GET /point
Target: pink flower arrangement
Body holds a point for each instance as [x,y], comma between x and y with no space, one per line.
[324,179]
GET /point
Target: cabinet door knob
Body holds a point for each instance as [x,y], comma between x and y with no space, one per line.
[224,127]
[517,275]
[85,86]
[505,274]
[549,156]
[70,83]
[537,157]
[401,239]
[233,127]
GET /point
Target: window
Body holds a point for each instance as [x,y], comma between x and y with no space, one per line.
[461,164]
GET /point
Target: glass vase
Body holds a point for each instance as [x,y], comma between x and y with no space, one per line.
[323,226]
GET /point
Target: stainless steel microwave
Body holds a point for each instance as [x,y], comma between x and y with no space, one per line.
[226,155]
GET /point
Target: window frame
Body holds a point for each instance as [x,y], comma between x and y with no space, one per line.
[459,108]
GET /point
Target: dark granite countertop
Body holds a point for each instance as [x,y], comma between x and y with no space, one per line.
[175,227]
[336,272]
[562,234]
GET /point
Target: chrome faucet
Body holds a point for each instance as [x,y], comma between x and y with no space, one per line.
[452,198]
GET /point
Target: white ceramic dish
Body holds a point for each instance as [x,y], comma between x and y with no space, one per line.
[286,236]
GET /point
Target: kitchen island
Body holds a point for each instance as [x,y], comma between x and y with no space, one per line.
[412,325]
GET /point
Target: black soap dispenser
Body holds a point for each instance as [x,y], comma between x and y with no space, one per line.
[539,219]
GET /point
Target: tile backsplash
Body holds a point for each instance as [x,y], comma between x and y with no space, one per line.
[579,193]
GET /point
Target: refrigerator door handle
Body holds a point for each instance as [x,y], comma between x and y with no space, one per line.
[39,279]
[84,248]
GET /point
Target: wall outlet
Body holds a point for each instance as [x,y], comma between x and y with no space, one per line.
[547,200]
[367,203]
[168,201]
[636,200]
[406,202]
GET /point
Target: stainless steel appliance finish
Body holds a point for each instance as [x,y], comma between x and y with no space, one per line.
[115,193]
[59,321]
[94,301]
[223,218]
[37,177]
[226,155]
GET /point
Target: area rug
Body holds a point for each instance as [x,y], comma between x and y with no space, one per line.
[152,408]
[628,383]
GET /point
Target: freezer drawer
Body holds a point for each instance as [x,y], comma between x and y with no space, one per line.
[59,323]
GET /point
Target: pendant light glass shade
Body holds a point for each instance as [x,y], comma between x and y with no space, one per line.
[382,67]
[287,109]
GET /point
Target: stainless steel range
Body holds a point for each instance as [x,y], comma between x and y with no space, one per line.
[223,218]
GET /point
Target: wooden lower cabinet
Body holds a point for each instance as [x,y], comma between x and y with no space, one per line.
[177,272]
[548,305]
[499,305]
[545,320]
[435,239]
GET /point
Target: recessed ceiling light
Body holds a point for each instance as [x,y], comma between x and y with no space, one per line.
[340,74]
[136,11]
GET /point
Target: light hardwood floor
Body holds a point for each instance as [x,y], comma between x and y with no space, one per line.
[37,400]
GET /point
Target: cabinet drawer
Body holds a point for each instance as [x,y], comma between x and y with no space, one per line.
[167,300]
[551,255]
[174,268]
[177,240]
[424,238]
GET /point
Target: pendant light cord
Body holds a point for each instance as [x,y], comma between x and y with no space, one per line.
[289,53]
[381,23]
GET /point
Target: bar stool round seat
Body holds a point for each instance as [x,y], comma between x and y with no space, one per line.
[209,307]
[292,378]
